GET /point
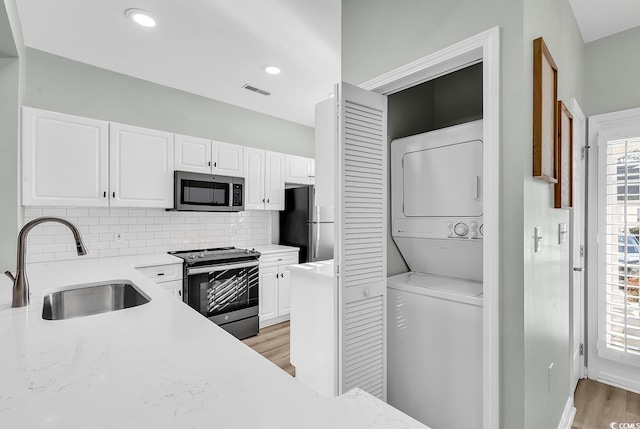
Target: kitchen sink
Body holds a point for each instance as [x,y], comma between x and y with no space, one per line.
[85,300]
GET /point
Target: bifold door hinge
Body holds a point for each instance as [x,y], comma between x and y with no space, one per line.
[582,251]
[581,349]
[583,152]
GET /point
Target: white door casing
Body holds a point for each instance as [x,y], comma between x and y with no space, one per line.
[483,47]
[361,256]
[577,264]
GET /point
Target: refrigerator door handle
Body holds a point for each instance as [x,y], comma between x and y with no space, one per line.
[317,247]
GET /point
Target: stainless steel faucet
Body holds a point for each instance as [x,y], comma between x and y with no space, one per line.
[20,281]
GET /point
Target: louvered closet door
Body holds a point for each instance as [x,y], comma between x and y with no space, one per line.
[361,254]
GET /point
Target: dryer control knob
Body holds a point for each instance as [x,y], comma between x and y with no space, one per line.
[461,229]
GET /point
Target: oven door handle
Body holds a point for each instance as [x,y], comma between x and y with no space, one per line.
[214,268]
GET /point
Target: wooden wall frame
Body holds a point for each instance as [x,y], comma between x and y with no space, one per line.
[545,117]
[563,189]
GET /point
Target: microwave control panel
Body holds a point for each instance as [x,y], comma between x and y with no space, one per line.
[237,195]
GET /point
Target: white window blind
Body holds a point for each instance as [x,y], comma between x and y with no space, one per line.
[622,248]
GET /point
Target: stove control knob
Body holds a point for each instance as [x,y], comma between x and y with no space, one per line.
[461,229]
[201,255]
[192,256]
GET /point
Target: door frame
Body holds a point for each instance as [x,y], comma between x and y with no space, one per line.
[483,47]
[577,303]
[613,125]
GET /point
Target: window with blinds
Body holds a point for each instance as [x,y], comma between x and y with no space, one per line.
[622,243]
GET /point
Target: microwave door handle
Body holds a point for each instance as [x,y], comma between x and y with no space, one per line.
[214,268]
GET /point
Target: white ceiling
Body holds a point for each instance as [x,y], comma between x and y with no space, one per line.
[206,47]
[602,18]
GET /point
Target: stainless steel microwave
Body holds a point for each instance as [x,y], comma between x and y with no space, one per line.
[207,192]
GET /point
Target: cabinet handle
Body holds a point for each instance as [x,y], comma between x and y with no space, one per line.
[114,194]
[268,200]
[215,164]
[209,163]
[105,194]
[160,274]
[263,200]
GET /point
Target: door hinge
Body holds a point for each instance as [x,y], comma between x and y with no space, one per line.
[581,349]
[582,251]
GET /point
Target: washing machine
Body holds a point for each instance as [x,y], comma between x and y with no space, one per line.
[434,320]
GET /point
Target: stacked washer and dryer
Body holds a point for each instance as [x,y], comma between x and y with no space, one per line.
[435,310]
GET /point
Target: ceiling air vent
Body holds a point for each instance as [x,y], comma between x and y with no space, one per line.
[254,89]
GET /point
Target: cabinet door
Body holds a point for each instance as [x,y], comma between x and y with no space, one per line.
[268,297]
[141,167]
[274,181]
[254,179]
[296,169]
[227,159]
[174,288]
[65,160]
[192,154]
[284,291]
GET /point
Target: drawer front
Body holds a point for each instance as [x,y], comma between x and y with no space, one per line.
[289,258]
[163,273]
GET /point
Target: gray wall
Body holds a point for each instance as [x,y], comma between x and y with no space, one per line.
[611,73]
[62,85]
[379,36]
[11,88]
[546,273]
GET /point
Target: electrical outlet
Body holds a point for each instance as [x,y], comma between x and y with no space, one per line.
[552,375]
[234,230]
[119,237]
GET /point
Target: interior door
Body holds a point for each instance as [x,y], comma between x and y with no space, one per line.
[361,259]
[577,246]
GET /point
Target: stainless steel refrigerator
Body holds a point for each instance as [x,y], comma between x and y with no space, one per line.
[307,226]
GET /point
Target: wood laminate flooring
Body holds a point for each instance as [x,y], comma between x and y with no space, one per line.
[272,342]
[599,405]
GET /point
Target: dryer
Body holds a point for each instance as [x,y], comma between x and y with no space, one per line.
[435,311]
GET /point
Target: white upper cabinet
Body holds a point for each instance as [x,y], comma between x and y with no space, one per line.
[254,198]
[65,160]
[274,181]
[297,169]
[264,180]
[206,156]
[141,167]
[192,154]
[227,159]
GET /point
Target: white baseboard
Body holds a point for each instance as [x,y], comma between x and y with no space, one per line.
[568,415]
[269,322]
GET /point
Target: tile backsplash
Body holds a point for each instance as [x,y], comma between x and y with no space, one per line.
[142,231]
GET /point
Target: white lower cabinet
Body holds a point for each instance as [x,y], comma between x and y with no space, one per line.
[169,277]
[275,287]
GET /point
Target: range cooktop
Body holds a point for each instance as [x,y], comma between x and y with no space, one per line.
[218,254]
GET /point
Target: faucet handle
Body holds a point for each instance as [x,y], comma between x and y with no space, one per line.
[8,273]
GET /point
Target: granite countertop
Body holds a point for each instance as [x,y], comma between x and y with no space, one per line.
[158,365]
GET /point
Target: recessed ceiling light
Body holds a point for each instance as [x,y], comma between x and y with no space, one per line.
[140,17]
[271,69]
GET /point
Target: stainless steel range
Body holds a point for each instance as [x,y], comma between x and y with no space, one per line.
[222,284]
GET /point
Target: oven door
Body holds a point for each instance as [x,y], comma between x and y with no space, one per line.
[202,192]
[222,289]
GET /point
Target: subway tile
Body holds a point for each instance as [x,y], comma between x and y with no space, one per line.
[97,229]
[98,212]
[128,251]
[54,211]
[77,212]
[108,220]
[107,253]
[32,212]
[137,228]
[40,257]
